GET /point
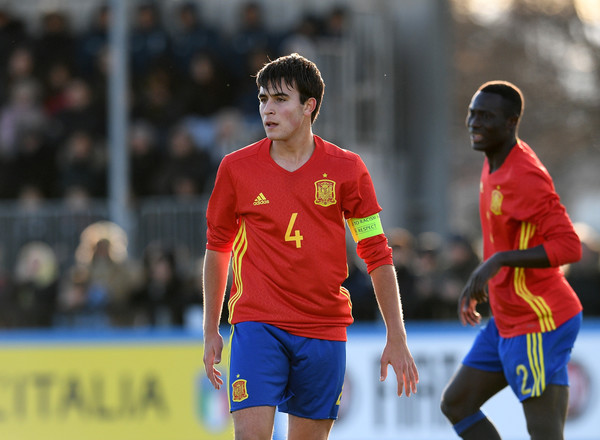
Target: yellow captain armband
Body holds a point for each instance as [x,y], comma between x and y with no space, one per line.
[362,228]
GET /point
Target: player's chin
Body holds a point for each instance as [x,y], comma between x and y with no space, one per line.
[273,137]
[477,146]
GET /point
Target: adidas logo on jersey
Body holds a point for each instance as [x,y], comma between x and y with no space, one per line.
[260,200]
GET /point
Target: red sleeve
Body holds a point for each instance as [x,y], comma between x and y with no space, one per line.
[541,206]
[360,200]
[562,244]
[221,218]
[375,251]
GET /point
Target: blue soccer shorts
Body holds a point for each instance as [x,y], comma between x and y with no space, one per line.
[530,362]
[270,367]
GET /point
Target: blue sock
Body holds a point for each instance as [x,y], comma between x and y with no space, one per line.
[468,421]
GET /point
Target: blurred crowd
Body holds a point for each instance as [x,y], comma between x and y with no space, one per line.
[192,97]
[192,100]
[106,288]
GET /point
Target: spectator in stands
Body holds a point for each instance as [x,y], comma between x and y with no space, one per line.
[429,273]
[12,29]
[156,103]
[55,42]
[303,39]
[112,280]
[30,199]
[55,84]
[98,289]
[92,41]
[233,128]
[19,68]
[162,298]
[82,166]
[251,33]
[336,23]
[36,285]
[194,35]
[80,113]
[207,89]
[145,160]
[74,308]
[35,163]
[150,43]
[22,113]
[245,87]
[204,95]
[187,169]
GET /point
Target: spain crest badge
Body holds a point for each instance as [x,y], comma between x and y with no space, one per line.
[496,202]
[325,192]
[239,391]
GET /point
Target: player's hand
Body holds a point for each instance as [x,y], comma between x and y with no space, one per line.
[476,286]
[398,356]
[467,312]
[213,347]
[475,291]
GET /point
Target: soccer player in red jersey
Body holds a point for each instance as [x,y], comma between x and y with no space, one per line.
[527,236]
[278,212]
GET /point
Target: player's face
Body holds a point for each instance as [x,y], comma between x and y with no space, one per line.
[489,127]
[282,112]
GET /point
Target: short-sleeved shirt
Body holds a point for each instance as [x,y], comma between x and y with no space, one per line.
[287,233]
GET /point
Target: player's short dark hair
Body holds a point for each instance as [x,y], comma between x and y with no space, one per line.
[294,70]
[511,94]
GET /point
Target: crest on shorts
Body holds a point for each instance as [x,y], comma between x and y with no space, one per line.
[325,192]
[239,391]
[496,202]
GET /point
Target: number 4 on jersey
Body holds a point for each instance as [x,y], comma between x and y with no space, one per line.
[296,236]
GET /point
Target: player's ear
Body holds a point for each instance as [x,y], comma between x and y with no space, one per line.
[512,122]
[309,106]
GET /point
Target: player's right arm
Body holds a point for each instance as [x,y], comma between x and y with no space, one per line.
[216,268]
[475,291]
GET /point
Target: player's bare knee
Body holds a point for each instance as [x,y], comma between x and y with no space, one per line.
[245,434]
[450,409]
[545,431]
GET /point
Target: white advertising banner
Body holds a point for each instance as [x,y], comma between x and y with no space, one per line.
[371,410]
[127,385]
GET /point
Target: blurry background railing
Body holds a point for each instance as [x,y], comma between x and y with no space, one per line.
[182,225]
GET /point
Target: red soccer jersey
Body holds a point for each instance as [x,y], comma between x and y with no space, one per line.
[520,209]
[288,236]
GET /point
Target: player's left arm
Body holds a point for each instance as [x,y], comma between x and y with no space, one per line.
[396,352]
[539,205]
[374,250]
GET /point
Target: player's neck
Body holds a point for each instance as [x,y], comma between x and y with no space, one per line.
[497,157]
[293,153]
